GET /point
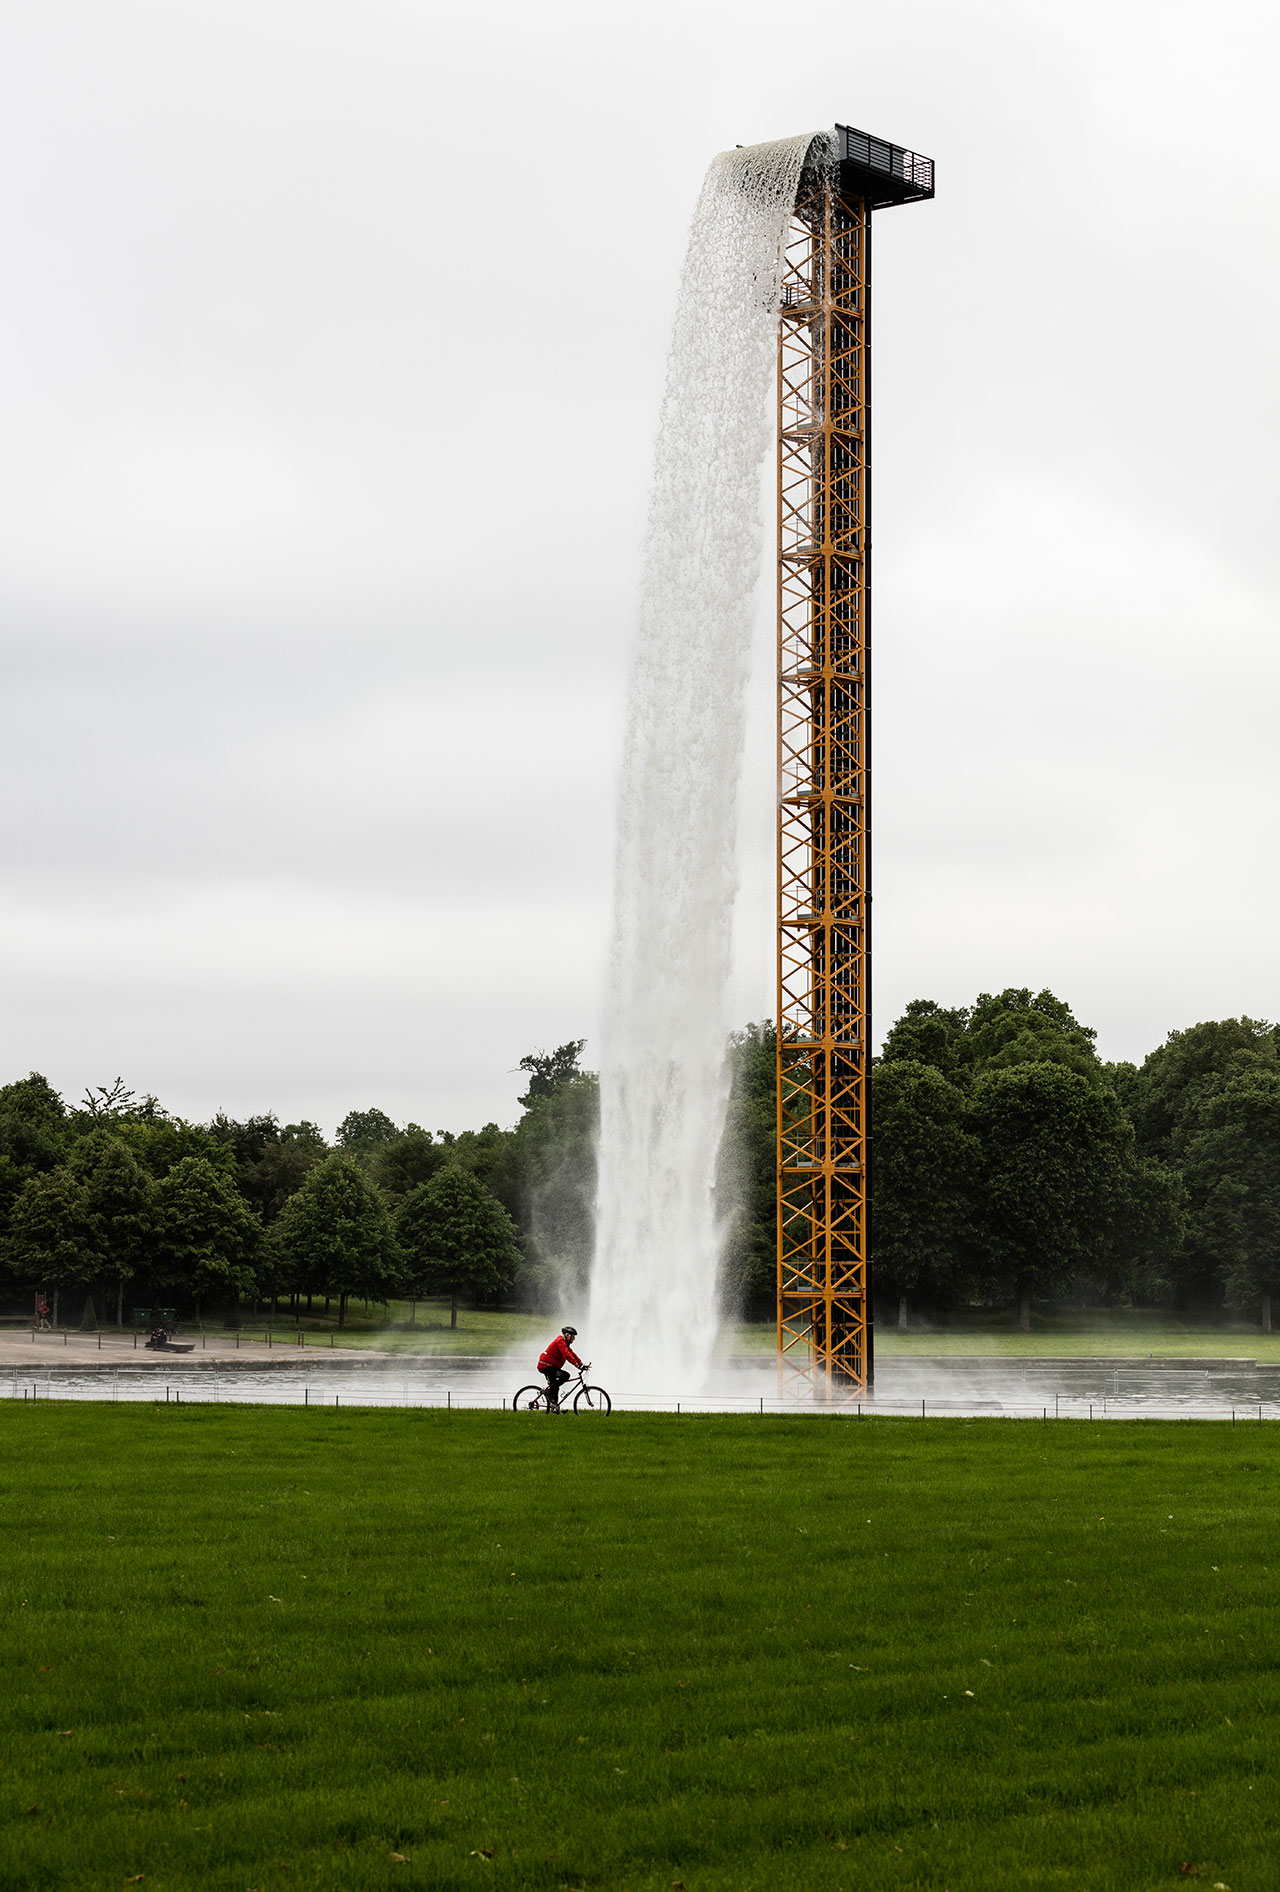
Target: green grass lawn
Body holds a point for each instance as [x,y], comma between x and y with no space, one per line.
[273,1649]
[480,1330]
[1216,1345]
[1100,1333]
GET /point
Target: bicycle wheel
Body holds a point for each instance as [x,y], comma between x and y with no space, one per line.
[592,1399]
[530,1399]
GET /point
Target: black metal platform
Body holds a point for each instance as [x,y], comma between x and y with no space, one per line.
[881,172]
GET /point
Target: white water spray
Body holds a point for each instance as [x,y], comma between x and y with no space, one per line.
[663,1079]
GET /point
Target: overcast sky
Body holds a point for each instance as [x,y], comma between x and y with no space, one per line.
[330,350]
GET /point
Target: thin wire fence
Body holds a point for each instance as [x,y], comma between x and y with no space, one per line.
[212,1389]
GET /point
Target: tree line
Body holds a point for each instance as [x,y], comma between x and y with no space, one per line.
[1008,1163]
[119,1198]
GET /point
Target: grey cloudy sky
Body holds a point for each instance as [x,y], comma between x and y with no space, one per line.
[330,354]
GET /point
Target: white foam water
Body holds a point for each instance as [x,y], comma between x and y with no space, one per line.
[663,1079]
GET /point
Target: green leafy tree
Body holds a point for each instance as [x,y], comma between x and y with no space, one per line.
[998,1031]
[1173,1100]
[107,1102]
[1056,1157]
[548,1070]
[1178,1079]
[208,1238]
[456,1238]
[120,1199]
[1013,1027]
[34,1132]
[1232,1169]
[52,1241]
[271,1162]
[362,1132]
[491,1155]
[413,1158]
[1151,1225]
[13,1179]
[925,1163]
[160,1142]
[335,1235]
[932,1034]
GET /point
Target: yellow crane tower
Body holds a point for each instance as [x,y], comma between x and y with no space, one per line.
[824,799]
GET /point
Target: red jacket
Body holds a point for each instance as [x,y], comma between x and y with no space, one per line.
[556,1354]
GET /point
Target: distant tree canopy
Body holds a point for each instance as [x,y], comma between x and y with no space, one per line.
[456,1238]
[1002,1030]
[549,1070]
[208,1239]
[363,1130]
[335,1235]
[924,1166]
[1008,1165]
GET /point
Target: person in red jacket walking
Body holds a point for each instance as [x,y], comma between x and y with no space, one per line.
[551,1363]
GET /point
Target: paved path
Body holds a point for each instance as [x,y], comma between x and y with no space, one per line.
[21,1348]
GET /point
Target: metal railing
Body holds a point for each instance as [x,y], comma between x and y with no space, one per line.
[877,154]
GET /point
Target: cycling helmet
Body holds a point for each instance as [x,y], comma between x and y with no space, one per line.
[570,1333]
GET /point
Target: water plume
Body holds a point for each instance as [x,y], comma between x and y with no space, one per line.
[664,1078]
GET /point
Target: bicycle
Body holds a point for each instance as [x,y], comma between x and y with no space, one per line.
[585,1398]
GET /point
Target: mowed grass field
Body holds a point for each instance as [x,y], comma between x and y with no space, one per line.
[273,1649]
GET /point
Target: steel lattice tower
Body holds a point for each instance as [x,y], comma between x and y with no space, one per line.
[824,799]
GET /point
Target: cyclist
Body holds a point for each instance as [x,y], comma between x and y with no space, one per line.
[551,1364]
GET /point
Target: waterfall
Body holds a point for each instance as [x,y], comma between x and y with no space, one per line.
[663,1078]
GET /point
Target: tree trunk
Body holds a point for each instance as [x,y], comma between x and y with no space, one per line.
[342,1310]
[1024,1309]
[902,1312]
[453,1311]
[326,1303]
[1266,1310]
[120,1300]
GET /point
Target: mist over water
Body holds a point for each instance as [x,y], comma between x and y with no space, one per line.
[663,1078]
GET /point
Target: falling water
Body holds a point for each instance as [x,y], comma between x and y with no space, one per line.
[663,1079]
